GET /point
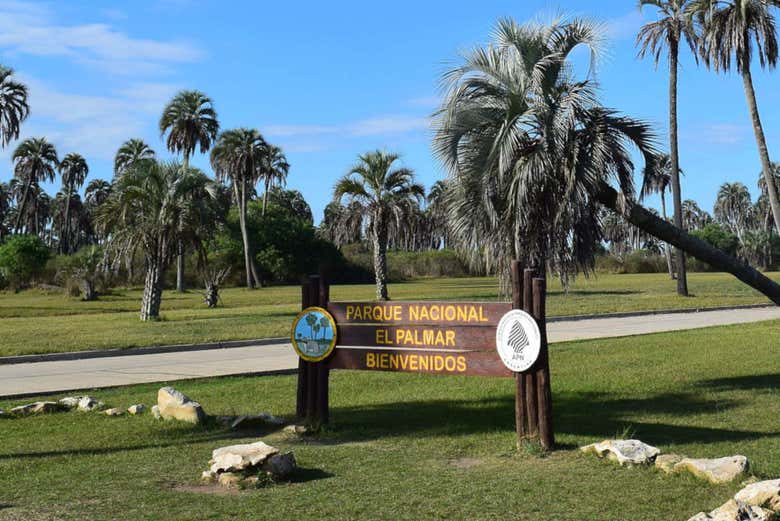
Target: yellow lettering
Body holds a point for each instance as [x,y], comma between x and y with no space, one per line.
[463,314]
[384,361]
[461,364]
[448,365]
[438,363]
[449,313]
[413,359]
[450,338]
[370,360]
[424,363]
[473,317]
[482,317]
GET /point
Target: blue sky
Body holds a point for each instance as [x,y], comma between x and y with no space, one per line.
[329,80]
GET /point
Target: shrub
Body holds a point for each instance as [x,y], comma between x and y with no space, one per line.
[643,261]
[22,258]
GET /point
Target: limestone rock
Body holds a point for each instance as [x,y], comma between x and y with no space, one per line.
[136,409]
[254,420]
[114,411]
[625,452]
[88,403]
[280,466]
[174,405]
[156,412]
[208,477]
[70,402]
[3,414]
[765,494]
[36,408]
[229,479]
[236,458]
[735,511]
[296,429]
[666,462]
[716,471]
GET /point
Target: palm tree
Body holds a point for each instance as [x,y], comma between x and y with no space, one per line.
[155,206]
[733,31]
[381,192]
[74,171]
[734,208]
[131,152]
[235,159]
[191,122]
[437,211]
[273,170]
[531,153]
[672,28]
[657,182]
[13,106]
[96,193]
[694,217]
[35,160]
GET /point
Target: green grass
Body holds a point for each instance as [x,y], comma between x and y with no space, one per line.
[37,322]
[411,447]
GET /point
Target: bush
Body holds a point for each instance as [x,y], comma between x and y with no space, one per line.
[718,236]
[643,261]
[22,258]
[402,265]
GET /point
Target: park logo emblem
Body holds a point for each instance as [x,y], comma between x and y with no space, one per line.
[313,334]
[518,340]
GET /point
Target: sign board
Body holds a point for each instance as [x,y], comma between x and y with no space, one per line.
[419,337]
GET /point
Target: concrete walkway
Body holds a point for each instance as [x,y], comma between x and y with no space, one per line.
[51,377]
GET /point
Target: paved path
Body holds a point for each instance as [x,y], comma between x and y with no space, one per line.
[45,377]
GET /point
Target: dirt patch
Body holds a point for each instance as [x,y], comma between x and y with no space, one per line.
[465,463]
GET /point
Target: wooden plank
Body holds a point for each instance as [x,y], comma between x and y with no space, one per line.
[419,313]
[480,338]
[482,363]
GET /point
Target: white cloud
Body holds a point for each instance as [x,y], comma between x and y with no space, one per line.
[625,26]
[718,133]
[31,29]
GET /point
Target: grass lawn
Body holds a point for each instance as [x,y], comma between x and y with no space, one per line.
[39,322]
[411,447]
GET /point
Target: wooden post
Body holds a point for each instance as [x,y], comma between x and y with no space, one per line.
[323,373]
[542,369]
[517,303]
[303,366]
[531,411]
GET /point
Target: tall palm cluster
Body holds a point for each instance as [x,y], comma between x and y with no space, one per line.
[153,210]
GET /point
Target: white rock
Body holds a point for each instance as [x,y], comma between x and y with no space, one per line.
[765,494]
[174,405]
[136,409]
[156,412]
[208,476]
[735,511]
[666,462]
[229,479]
[625,452]
[716,471]
[70,402]
[296,429]
[115,411]
[235,458]
[88,403]
[36,408]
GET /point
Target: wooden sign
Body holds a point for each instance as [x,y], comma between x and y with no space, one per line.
[432,337]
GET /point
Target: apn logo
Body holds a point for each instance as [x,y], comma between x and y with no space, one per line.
[517,340]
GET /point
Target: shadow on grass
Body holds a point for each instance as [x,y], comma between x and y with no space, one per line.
[579,414]
[591,293]
[743,383]
[304,475]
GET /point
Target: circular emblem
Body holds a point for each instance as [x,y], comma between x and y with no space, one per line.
[518,340]
[313,334]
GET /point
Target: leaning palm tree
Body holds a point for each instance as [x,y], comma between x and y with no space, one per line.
[131,152]
[35,160]
[13,106]
[235,159]
[673,27]
[273,169]
[155,206]
[74,171]
[531,154]
[382,193]
[733,31]
[734,208]
[657,182]
[190,121]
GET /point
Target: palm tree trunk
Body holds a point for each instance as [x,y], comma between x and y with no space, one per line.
[180,246]
[65,238]
[674,153]
[657,227]
[758,130]
[265,194]
[667,246]
[150,305]
[22,206]
[245,238]
[380,258]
